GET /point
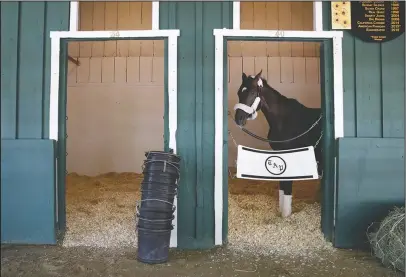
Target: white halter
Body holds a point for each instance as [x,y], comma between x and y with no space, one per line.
[251,111]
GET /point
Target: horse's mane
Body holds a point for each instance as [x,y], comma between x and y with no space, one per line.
[283,98]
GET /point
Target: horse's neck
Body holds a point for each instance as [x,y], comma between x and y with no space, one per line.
[273,115]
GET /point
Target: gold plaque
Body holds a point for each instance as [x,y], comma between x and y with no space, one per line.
[341,15]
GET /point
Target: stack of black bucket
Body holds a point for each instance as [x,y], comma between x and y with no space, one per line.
[155,211]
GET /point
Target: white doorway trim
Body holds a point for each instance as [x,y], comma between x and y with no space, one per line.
[220,35]
[171,35]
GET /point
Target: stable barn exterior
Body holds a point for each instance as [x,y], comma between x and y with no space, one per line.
[367,168]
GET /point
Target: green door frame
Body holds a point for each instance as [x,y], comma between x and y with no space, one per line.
[331,99]
[58,100]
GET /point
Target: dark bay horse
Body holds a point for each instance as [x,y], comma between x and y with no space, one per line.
[291,124]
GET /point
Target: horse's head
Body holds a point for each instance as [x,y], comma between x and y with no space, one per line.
[248,98]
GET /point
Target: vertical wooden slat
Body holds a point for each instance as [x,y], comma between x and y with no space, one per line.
[272,23]
[286,70]
[86,24]
[120,70]
[135,17]
[368,89]
[299,70]
[184,13]
[57,19]
[123,10]
[261,63]
[147,46]
[108,70]
[247,22]
[133,70]
[349,100]
[98,25]
[284,9]
[311,70]
[260,24]
[309,48]
[199,120]
[235,71]
[158,70]
[274,70]
[145,70]
[9,64]
[83,72]
[248,65]
[297,24]
[393,87]
[31,70]
[95,69]
[72,72]
[110,47]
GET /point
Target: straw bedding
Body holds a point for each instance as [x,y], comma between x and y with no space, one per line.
[101,209]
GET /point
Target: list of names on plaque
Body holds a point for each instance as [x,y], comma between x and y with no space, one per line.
[377,21]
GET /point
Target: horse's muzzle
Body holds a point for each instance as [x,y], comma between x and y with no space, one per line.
[240,117]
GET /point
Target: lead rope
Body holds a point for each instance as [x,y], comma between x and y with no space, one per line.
[235,162]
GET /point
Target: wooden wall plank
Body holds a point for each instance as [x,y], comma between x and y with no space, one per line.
[393,87]
[158,73]
[186,133]
[368,87]
[147,46]
[98,25]
[297,24]
[350,120]
[286,70]
[83,71]
[312,68]
[135,16]
[108,70]
[124,23]
[86,24]
[9,63]
[272,23]
[95,73]
[285,23]
[133,70]
[274,70]
[120,70]
[111,14]
[30,70]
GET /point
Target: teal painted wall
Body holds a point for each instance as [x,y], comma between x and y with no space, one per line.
[27,155]
[195,135]
[25,64]
[370,157]
[374,88]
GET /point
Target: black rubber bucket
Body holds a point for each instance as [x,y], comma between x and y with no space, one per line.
[162,167]
[160,177]
[153,245]
[157,204]
[157,194]
[154,213]
[155,224]
[162,156]
[148,195]
[158,187]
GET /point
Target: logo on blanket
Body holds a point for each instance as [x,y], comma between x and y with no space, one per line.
[275,165]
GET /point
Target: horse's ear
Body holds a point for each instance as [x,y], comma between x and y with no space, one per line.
[244,77]
[258,76]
